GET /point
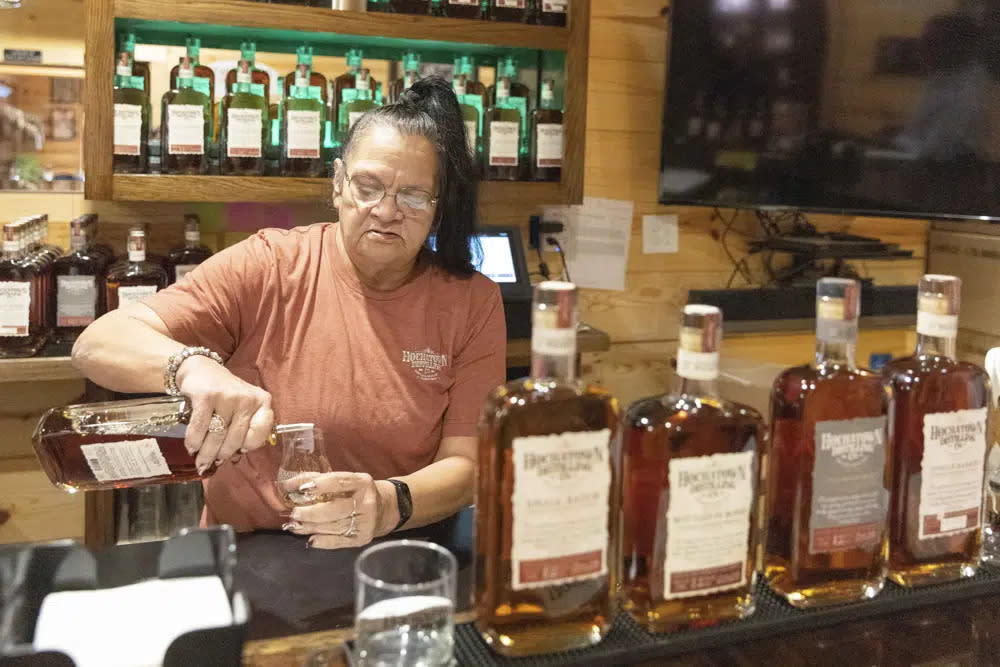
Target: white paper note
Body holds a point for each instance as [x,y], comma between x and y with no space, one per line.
[595,240]
[659,234]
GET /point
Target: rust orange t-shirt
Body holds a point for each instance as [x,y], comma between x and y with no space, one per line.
[385,375]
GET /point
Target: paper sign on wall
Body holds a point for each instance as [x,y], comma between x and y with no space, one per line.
[659,234]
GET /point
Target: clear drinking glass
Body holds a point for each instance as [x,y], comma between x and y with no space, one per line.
[405,605]
[302,451]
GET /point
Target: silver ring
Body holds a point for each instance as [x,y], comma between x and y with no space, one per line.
[352,530]
[216,424]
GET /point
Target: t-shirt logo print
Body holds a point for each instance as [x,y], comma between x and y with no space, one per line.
[426,363]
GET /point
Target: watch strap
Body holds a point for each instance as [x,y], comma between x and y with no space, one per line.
[404,502]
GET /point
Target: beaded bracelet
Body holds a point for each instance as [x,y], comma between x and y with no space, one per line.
[175,361]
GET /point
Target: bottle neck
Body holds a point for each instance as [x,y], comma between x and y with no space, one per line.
[77,242]
[184,82]
[548,102]
[560,366]
[942,346]
[192,239]
[839,352]
[705,388]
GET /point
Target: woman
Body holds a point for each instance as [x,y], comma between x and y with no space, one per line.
[388,347]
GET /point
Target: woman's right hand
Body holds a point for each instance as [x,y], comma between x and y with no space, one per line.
[244,409]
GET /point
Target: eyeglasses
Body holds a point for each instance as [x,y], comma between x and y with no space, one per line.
[369,192]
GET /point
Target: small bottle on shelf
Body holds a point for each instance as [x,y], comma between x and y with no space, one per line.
[304,56]
[466,65]
[689,469]
[40,260]
[347,81]
[465,9]
[79,282]
[355,103]
[258,77]
[131,119]
[515,11]
[828,466]
[939,443]
[411,72]
[21,318]
[134,278]
[245,128]
[102,250]
[552,12]
[508,67]
[182,260]
[471,115]
[302,130]
[502,137]
[545,498]
[547,137]
[187,126]
[203,75]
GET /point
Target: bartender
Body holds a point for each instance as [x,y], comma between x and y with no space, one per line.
[388,347]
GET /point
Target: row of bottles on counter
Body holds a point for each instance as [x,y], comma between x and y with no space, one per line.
[302,134]
[677,506]
[48,295]
[542,12]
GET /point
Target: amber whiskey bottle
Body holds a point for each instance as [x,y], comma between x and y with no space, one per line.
[21,318]
[183,259]
[938,434]
[79,283]
[346,81]
[502,136]
[545,503]
[133,279]
[204,72]
[302,130]
[473,86]
[547,137]
[828,466]
[248,52]
[245,128]
[187,126]
[304,56]
[131,116]
[689,480]
[411,72]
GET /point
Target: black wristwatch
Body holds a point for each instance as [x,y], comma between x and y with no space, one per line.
[405,502]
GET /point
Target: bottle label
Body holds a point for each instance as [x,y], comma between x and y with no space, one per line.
[128,294]
[128,129]
[933,318]
[353,117]
[303,134]
[76,300]
[512,4]
[951,472]
[504,143]
[459,88]
[15,308]
[549,339]
[697,365]
[128,459]
[708,524]
[562,486]
[181,270]
[557,6]
[549,145]
[471,132]
[186,129]
[463,2]
[831,325]
[849,498]
[192,235]
[243,132]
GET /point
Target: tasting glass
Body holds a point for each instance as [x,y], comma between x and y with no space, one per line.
[405,604]
[302,451]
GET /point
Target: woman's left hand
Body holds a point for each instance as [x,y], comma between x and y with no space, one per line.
[350,511]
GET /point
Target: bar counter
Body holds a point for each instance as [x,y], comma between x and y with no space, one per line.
[302,601]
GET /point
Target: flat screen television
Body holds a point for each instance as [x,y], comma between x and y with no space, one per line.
[869,107]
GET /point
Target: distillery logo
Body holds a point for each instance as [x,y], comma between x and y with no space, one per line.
[958,436]
[708,486]
[563,465]
[426,363]
[851,448]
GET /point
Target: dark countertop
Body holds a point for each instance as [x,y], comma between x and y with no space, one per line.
[303,601]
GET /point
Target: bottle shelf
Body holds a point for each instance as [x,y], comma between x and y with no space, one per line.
[171,188]
[232,19]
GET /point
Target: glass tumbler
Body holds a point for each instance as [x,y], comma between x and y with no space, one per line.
[405,605]
[302,451]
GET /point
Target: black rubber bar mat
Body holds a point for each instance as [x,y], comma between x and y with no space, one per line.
[628,643]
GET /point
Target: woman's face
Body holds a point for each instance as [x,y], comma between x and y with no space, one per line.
[385,235]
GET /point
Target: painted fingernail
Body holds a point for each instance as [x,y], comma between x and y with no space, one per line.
[307,487]
[291,525]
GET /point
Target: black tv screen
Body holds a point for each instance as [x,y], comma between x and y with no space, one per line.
[881,107]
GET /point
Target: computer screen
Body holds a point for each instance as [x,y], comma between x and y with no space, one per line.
[492,255]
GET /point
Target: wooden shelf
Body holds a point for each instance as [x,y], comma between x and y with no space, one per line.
[37,369]
[168,188]
[383,26]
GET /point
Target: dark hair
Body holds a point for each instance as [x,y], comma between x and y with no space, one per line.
[430,109]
